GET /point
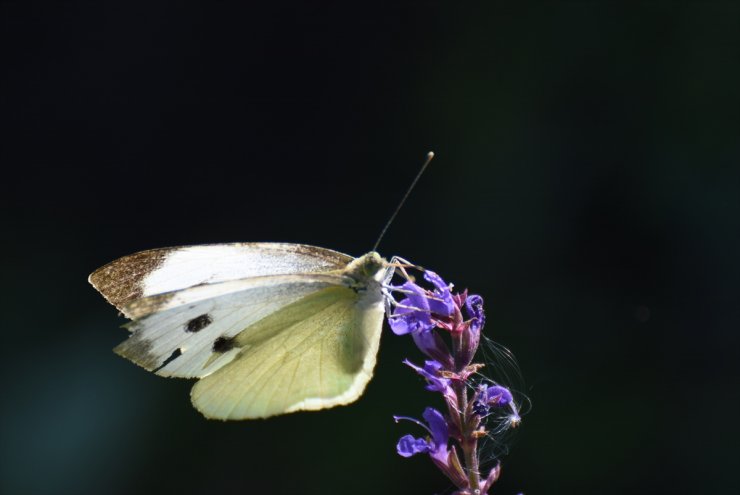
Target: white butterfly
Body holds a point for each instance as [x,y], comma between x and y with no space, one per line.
[268,328]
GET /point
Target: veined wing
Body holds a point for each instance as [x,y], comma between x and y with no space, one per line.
[158,271]
[315,353]
[190,333]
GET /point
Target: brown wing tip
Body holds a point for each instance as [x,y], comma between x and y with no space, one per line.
[120,281]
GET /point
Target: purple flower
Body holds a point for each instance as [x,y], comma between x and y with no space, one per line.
[474,308]
[440,301]
[412,315]
[435,445]
[415,313]
[435,381]
[418,314]
[495,396]
[409,445]
[428,315]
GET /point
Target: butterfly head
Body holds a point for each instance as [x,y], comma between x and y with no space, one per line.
[366,268]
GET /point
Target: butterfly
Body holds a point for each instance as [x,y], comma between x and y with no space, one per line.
[266,328]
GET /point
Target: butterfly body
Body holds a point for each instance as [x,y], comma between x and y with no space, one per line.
[267,328]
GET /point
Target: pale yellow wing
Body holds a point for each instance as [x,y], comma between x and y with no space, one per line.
[315,353]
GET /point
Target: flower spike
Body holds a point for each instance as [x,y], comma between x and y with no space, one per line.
[428,314]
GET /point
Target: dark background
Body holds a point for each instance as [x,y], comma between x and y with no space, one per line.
[586,184]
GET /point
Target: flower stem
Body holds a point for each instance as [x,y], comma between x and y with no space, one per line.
[468,442]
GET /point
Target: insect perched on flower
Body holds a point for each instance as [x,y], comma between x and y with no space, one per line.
[274,328]
[453,438]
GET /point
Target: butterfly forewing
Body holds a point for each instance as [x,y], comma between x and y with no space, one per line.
[159,271]
[187,333]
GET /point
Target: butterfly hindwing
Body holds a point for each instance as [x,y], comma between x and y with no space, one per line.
[315,353]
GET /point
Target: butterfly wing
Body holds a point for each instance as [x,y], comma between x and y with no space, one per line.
[159,271]
[315,353]
[263,344]
[189,333]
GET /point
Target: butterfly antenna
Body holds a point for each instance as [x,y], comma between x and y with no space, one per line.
[430,155]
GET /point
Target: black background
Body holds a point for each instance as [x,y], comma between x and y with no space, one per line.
[586,184]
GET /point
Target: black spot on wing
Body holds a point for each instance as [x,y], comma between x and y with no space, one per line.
[198,323]
[175,354]
[223,344]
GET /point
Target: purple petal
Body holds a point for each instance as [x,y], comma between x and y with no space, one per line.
[412,314]
[497,396]
[404,321]
[430,372]
[436,280]
[408,446]
[474,307]
[416,296]
[438,427]
[443,304]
